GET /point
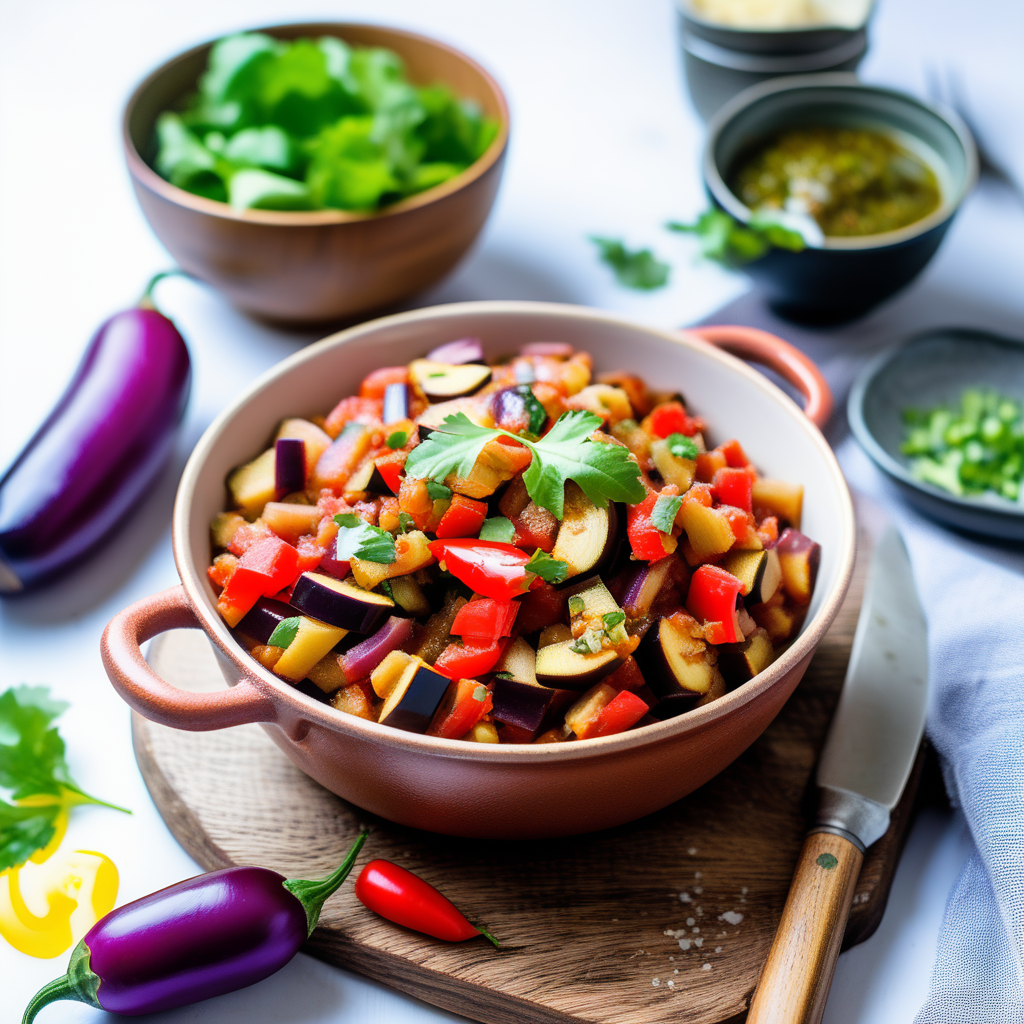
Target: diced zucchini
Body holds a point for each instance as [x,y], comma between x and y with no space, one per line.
[779,498]
[673,469]
[707,530]
[386,676]
[519,661]
[409,596]
[254,484]
[313,640]
[289,521]
[412,552]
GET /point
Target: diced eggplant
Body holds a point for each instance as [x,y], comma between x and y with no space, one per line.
[675,704]
[739,663]
[409,596]
[456,353]
[413,700]
[561,667]
[674,663]
[396,403]
[589,706]
[779,498]
[799,557]
[254,484]
[516,409]
[442,381]
[360,661]
[718,688]
[289,465]
[340,602]
[291,521]
[760,572]
[519,660]
[316,441]
[263,618]
[367,478]
[391,671]
[434,415]
[527,706]
[557,633]
[311,643]
[672,468]
[646,584]
[595,598]
[586,537]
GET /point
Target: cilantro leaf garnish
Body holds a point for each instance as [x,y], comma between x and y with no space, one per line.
[32,765]
[603,471]
[637,268]
[537,413]
[550,570]
[681,446]
[438,492]
[498,528]
[612,619]
[406,522]
[285,632]
[358,539]
[397,439]
[663,515]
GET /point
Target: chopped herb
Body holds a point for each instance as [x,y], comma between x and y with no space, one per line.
[503,675]
[577,606]
[385,588]
[480,694]
[589,643]
[549,569]
[358,539]
[638,268]
[681,446]
[32,764]
[439,374]
[498,528]
[603,471]
[612,619]
[437,492]
[285,632]
[663,515]
[397,439]
[725,240]
[537,413]
[406,522]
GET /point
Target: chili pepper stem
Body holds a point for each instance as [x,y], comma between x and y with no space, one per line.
[313,894]
[79,983]
[488,936]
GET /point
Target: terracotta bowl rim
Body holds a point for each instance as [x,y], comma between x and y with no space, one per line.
[324,715]
[147,176]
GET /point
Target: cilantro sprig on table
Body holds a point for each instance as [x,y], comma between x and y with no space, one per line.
[603,471]
[34,771]
[634,268]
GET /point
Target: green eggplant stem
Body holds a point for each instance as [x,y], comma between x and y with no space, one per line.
[79,983]
[313,894]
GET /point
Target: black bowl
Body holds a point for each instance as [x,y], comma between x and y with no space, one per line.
[841,278]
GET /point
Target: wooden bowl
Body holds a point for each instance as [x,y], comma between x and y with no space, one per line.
[479,789]
[320,265]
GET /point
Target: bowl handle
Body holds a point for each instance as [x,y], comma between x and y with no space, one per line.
[778,355]
[154,698]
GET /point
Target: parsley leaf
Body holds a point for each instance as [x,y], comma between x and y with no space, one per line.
[663,515]
[725,240]
[638,269]
[358,539]
[285,632]
[24,830]
[498,528]
[612,619]
[406,522]
[437,492]
[603,471]
[549,569]
[681,446]
[397,439]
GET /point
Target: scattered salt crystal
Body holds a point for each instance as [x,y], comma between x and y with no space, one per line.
[697,874]
[718,949]
[696,931]
[676,971]
[671,983]
[672,958]
[744,890]
[698,943]
[684,944]
[692,851]
[697,889]
[731,917]
[655,982]
[690,921]
[706,967]
[685,897]
[742,900]
[615,920]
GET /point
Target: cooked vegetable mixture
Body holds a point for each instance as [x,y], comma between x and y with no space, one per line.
[852,181]
[510,553]
[972,449]
[314,124]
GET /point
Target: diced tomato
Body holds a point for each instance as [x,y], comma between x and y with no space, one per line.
[708,464]
[464,661]
[222,570]
[670,418]
[712,598]
[488,567]
[735,456]
[543,606]
[485,619]
[465,703]
[740,522]
[246,535]
[375,384]
[734,487]
[268,566]
[353,410]
[768,531]
[648,542]
[310,554]
[390,467]
[620,714]
[463,518]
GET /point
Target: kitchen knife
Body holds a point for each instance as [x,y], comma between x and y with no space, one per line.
[870,748]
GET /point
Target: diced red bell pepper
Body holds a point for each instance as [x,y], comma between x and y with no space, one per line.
[484,620]
[618,715]
[465,702]
[648,542]
[712,598]
[488,567]
[458,661]
[670,418]
[734,487]
[247,535]
[222,570]
[463,518]
[353,410]
[375,384]
[390,466]
[268,566]
[310,554]
[741,523]
[735,456]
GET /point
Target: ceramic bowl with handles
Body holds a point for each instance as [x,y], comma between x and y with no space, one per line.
[477,789]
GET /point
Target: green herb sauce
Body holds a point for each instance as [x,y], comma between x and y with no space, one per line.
[852,181]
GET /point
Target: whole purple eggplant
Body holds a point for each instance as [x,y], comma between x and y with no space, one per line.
[208,935]
[91,461]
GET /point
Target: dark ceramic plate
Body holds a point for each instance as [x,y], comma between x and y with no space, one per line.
[932,369]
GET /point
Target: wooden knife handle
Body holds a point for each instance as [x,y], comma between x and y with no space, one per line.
[798,974]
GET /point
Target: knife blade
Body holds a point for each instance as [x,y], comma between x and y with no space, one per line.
[864,766]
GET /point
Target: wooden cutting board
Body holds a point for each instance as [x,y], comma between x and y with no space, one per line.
[666,919]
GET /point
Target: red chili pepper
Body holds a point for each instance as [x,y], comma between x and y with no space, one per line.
[488,567]
[465,703]
[400,896]
[463,518]
[621,713]
[712,600]
[267,567]
[458,661]
[670,418]
[734,487]
[483,620]
[648,542]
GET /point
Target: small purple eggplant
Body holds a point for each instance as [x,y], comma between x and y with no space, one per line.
[90,463]
[208,935]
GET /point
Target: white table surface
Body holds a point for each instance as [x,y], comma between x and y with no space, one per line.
[603,141]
